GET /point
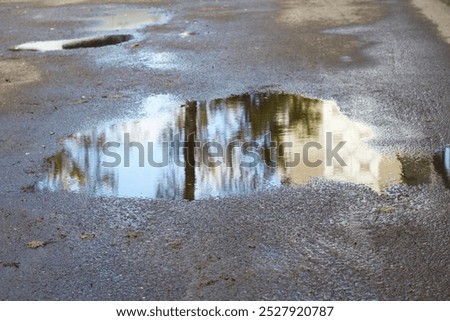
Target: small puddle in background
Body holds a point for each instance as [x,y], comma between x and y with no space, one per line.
[114,20]
[241,119]
[90,42]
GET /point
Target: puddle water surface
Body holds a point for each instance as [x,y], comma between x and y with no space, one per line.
[237,145]
[114,20]
[90,42]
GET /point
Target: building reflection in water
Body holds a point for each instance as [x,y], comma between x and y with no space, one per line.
[263,118]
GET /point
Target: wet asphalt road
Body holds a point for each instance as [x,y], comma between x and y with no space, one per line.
[385,65]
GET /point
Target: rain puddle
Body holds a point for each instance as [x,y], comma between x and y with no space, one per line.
[100,41]
[236,145]
[114,20]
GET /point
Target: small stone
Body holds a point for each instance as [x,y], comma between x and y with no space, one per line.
[85,236]
[176,245]
[132,234]
[28,189]
[386,209]
[36,244]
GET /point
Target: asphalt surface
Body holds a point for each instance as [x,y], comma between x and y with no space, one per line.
[382,61]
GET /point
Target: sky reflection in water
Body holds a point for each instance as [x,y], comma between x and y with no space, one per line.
[242,118]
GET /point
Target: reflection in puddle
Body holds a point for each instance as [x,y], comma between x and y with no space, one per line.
[187,34]
[263,122]
[416,170]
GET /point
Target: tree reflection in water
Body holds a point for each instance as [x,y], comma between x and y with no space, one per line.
[263,118]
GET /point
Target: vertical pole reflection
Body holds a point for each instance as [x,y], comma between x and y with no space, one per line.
[190,130]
